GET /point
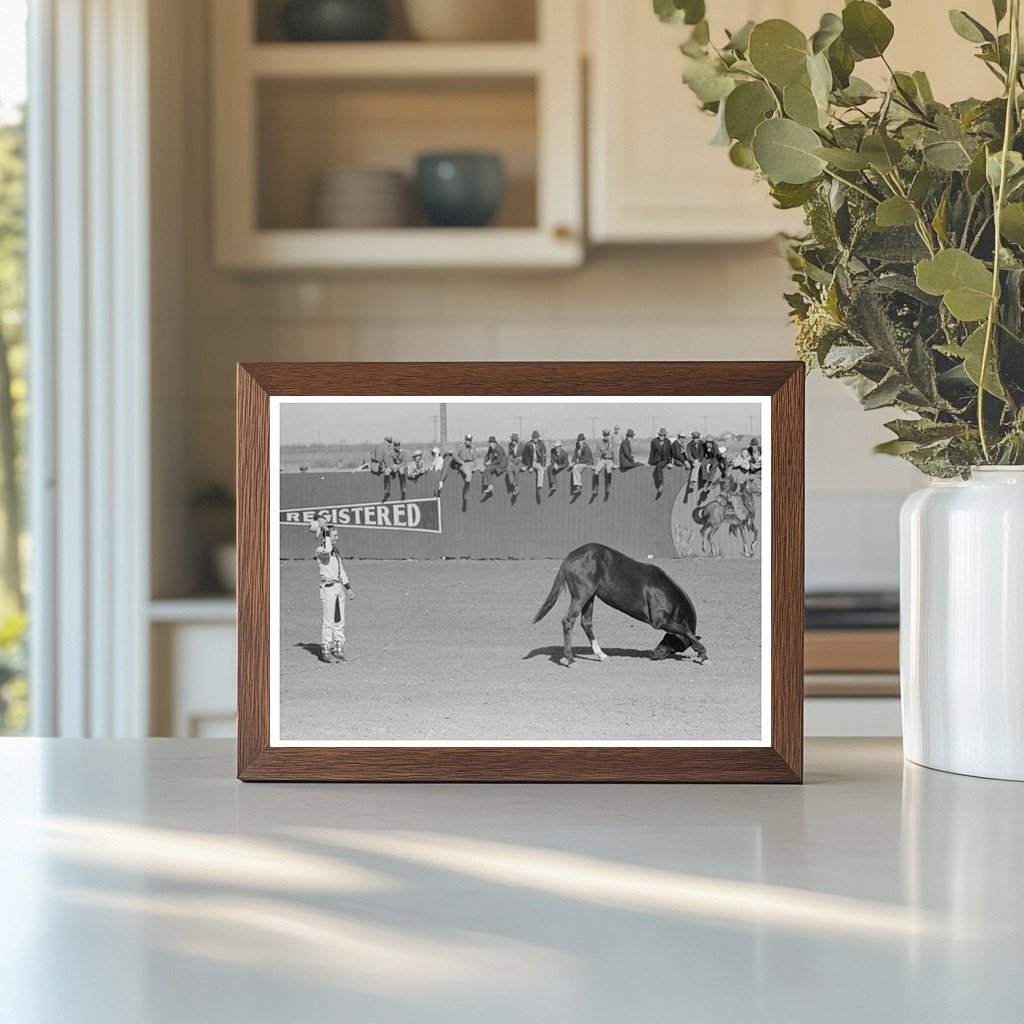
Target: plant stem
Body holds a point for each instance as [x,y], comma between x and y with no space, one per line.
[993,308]
[855,187]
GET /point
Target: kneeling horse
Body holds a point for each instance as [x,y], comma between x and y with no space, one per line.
[641,591]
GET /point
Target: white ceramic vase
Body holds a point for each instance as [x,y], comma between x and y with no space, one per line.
[962,624]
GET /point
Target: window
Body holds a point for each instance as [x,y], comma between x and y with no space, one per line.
[14,702]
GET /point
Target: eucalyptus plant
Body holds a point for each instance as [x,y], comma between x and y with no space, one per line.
[910,278]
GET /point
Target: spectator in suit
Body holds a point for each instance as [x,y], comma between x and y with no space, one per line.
[581,456]
[495,465]
[515,463]
[558,462]
[694,452]
[660,457]
[605,462]
[679,450]
[535,458]
[626,458]
[436,460]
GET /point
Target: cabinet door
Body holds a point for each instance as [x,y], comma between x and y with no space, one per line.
[653,174]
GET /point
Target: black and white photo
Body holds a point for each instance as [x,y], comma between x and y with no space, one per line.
[507,571]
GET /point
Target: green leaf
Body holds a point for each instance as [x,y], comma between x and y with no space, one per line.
[921,185]
[1014,169]
[829,30]
[923,431]
[999,7]
[844,159]
[739,41]
[924,87]
[820,76]
[789,197]
[947,156]
[708,80]
[800,105]
[1012,223]
[745,108]
[963,281]
[676,12]
[866,29]
[785,152]
[883,153]
[885,394]
[976,172]
[895,447]
[778,50]
[895,212]
[841,60]
[971,352]
[741,155]
[969,28]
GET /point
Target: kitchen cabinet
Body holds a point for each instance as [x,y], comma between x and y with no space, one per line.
[653,175]
[286,113]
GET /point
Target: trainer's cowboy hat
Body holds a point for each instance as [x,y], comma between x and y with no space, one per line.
[631,432]
[663,432]
[581,437]
[492,440]
[469,437]
[535,436]
[514,437]
[435,450]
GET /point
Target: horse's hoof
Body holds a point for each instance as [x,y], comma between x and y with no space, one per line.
[602,657]
[567,662]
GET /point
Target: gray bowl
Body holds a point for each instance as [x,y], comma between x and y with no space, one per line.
[334,20]
[461,190]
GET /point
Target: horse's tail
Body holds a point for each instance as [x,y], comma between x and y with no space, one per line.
[556,589]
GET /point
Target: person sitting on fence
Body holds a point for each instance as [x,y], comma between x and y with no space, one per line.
[605,462]
[495,465]
[382,464]
[626,459]
[558,462]
[679,450]
[515,463]
[463,462]
[436,460]
[415,469]
[397,471]
[535,458]
[660,457]
[582,457]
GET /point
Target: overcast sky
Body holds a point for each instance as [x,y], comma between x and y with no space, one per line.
[345,422]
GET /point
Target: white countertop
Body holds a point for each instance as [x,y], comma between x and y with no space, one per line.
[141,884]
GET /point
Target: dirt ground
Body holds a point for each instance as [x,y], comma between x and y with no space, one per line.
[447,651]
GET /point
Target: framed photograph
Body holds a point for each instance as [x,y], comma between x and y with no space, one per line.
[520,572]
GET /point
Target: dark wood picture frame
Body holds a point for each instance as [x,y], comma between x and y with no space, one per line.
[782,761]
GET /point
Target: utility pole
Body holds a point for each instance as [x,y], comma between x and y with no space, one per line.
[653,428]
[593,426]
[705,425]
[435,419]
[520,418]
[444,425]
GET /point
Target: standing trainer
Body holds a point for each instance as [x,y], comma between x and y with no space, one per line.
[334,590]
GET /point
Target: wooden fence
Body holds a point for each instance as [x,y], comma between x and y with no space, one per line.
[530,526]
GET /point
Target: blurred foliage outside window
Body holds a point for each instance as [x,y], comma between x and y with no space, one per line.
[14,702]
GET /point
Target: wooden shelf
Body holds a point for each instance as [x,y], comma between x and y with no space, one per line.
[393,60]
[401,247]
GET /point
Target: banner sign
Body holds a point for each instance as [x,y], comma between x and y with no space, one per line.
[422,515]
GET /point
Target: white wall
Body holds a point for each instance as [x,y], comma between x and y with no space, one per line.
[652,303]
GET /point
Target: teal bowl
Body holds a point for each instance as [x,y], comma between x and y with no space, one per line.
[460,190]
[334,21]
